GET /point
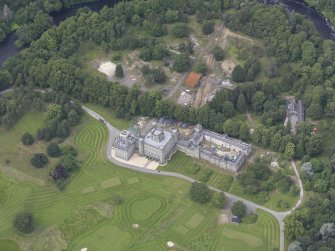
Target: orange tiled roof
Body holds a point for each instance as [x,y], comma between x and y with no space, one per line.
[193,79]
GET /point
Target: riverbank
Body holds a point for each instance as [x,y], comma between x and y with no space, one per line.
[8,47]
[326,10]
[324,27]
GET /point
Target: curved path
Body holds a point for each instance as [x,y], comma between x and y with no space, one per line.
[113,133]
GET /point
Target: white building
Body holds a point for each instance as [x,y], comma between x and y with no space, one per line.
[124,145]
[157,145]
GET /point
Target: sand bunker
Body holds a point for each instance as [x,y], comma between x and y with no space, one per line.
[170,244]
[83,249]
[107,68]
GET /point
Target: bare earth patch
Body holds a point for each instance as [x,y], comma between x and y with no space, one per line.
[21,176]
[225,216]
[104,209]
[51,239]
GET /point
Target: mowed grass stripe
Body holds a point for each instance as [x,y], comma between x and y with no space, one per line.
[270,230]
[51,207]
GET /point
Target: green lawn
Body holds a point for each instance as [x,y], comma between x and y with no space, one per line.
[181,163]
[16,153]
[8,245]
[15,157]
[273,197]
[109,114]
[83,215]
[187,165]
[258,236]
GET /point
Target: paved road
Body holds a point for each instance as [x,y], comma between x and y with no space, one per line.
[113,133]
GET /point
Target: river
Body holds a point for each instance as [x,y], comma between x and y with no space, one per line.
[322,24]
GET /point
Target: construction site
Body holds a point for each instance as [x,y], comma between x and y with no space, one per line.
[188,88]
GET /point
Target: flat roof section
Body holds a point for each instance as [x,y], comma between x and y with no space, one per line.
[124,143]
[161,144]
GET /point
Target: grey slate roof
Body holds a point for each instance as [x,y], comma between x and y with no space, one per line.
[124,143]
[157,144]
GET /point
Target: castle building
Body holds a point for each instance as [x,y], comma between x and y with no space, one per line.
[124,145]
[157,145]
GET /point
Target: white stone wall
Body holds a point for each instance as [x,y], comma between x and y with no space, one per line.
[124,154]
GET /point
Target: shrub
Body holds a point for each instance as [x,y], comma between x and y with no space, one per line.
[208,27]
[69,150]
[181,63]
[153,75]
[53,150]
[250,218]
[284,185]
[200,67]
[225,183]
[69,162]
[27,139]
[295,246]
[193,169]
[180,30]
[116,57]
[61,184]
[218,53]
[117,199]
[24,223]
[199,192]
[219,200]
[119,71]
[282,204]
[294,191]
[239,209]
[158,75]
[205,175]
[238,74]
[59,172]
[39,160]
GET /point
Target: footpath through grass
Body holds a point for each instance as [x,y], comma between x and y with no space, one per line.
[84,215]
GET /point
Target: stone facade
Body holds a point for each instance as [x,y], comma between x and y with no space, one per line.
[124,146]
[193,147]
[159,144]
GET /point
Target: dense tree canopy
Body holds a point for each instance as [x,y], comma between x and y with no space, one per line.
[24,223]
[199,192]
[39,160]
[27,139]
[239,209]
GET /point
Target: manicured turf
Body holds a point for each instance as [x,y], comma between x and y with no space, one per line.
[8,245]
[186,165]
[273,197]
[109,114]
[253,237]
[15,152]
[181,163]
[83,215]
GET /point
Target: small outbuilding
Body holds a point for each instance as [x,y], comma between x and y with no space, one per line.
[193,79]
[236,219]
